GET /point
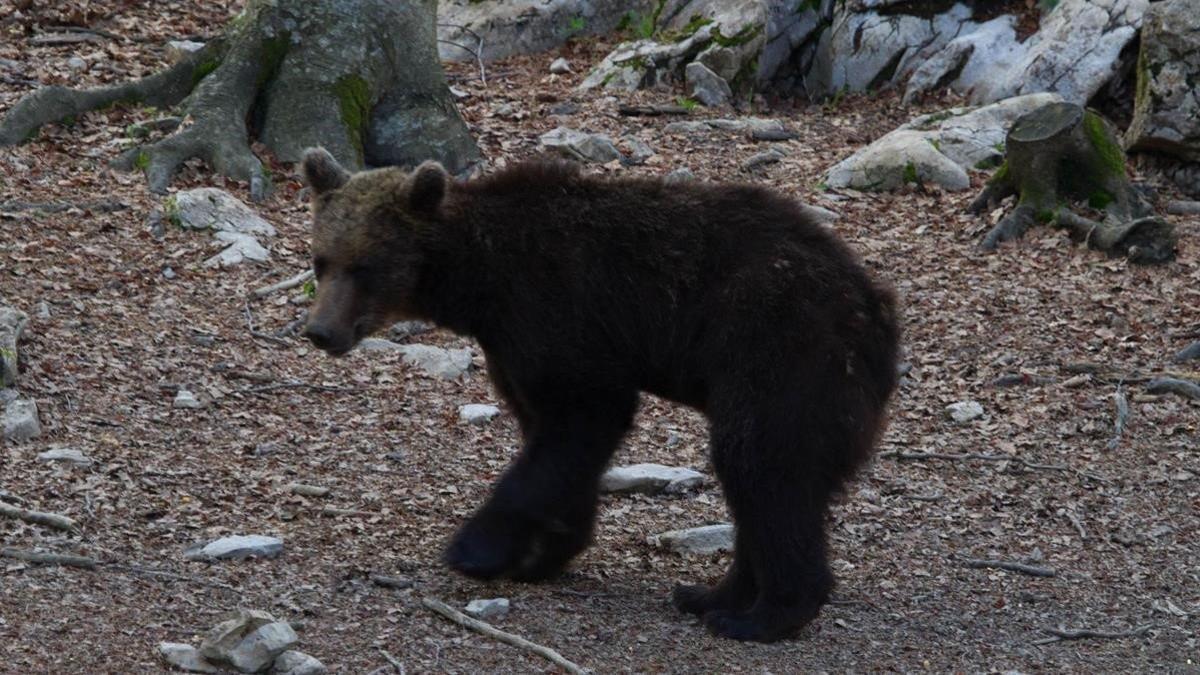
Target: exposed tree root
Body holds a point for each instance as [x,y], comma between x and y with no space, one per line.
[359,77]
[1059,634]
[1021,568]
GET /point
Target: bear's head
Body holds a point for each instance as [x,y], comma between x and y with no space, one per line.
[367,229]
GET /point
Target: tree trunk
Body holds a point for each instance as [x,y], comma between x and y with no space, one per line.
[1059,154]
[360,77]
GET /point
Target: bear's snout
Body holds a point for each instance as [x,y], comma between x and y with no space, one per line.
[326,339]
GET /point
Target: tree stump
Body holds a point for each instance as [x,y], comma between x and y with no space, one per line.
[360,77]
[1060,155]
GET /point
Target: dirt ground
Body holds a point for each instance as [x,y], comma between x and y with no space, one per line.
[1119,526]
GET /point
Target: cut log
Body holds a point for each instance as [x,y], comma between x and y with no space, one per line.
[1059,156]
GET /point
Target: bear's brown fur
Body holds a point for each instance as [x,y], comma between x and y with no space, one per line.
[583,292]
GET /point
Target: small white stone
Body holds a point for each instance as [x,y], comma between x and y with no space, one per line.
[186,399]
[77,64]
[21,421]
[293,662]
[66,455]
[697,540]
[185,657]
[560,66]
[478,414]
[236,547]
[649,479]
[485,609]
[964,411]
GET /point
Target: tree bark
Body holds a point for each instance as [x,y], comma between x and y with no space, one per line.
[360,77]
[1061,154]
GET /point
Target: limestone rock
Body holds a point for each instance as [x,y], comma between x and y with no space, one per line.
[743,125]
[580,145]
[185,657]
[1074,53]
[230,220]
[650,479]
[12,325]
[236,547]
[697,540]
[964,411]
[178,49]
[293,662]
[70,455]
[249,641]
[706,86]
[560,66]
[1166,116]
[486,610]
[939,147]
[444,363]
[969,60]
[680,175]
[186,400]
[21,421]
[525,26]
[477,414]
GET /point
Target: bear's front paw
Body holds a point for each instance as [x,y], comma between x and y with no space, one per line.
[760,624]
[486,550]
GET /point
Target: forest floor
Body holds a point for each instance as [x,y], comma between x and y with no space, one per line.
[119,336]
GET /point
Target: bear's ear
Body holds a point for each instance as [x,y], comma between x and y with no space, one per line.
[322,172]
[427,187]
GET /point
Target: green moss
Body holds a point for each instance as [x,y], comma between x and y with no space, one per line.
[988,163]
[204,69]
[576,25]
[910,173]
[68,121]
[274,50]
[934,119]
[1142,88]
[746,34]
[1001,174]
[1099,199]
[171,209]
[142,161]
[354,101]
[688,104]
[1110,152]
[937,145]
[310,289]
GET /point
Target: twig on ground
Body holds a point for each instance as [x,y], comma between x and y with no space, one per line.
[286,284]
[39,558]
[95,205]
[1171,385]
[1059,634]
[1122,418]
[392,660]
[51,520]
[397,583]
[477,52]
[484,628]
[1188,353]
[293,384]
[334,512]
[232,373]
[92,31]
[255,333]
[164,574]
[1031,570]
[1073,516]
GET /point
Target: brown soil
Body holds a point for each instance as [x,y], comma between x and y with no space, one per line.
[1119,526]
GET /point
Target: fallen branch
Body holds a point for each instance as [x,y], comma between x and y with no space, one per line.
[164,574]
[39,558]
[293,384]
[1122,418]
[397,583]
[1031,570]
[896,454]
[392,660]
[651,110]
[484,628]
[1188,353]
[1171,385]
[96,206]
[51,520]
[256,333]
[1059,634]
[286,284]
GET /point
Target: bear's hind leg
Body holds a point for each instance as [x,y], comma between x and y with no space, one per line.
[779,495]
[735,591]
[541,513]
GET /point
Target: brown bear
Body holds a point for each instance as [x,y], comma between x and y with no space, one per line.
[583,292]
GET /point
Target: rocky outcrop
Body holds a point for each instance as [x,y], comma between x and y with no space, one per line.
[1074,53]
[939,148]
[495,30]
[1166,116]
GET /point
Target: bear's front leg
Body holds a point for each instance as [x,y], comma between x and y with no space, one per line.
[541,513]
